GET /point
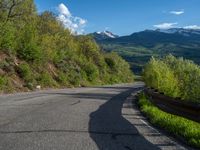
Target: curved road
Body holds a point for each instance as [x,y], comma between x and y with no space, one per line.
[78,119]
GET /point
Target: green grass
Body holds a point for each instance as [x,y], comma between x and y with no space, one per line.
[178,126]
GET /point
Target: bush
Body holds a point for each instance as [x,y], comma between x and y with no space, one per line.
[92,72]
[8,66]
[25,72]
[175,77]
[7,38]
[110,62]
[74,77]
[46,80]
[63,79]
[3,83]
[118,68]
[27,47]
[158,75]
[188,75]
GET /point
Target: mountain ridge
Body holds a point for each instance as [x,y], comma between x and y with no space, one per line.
[102,35]
[137,48]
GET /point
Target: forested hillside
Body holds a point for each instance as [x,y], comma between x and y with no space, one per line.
[138,48]
[36,49]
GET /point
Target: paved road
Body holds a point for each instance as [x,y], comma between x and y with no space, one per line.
[77,119]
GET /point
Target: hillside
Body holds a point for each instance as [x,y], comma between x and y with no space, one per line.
[37,50]
[138,48]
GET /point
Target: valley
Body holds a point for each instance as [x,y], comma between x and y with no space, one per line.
[139,47]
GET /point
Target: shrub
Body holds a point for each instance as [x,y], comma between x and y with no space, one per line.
[110,62]
[175,77]
[46,80]
[8,66]
[74,77]
[7,38]
[3,83]
[188,75]
[28,48]
[25,72]
[92,72]
[158,75]
[62,79]
[118,68]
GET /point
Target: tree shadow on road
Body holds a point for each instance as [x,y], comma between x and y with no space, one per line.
[111,131]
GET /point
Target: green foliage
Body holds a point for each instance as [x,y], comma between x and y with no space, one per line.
[110,62]
[188,75]
[8,66]
[175,77]
[52,56]
[63,79]
[28,48]
[7,38]
[46,80]
[74,77]
[25,72]
[92,71]
[3,83]
[118,68]
[178,126]
[158,75]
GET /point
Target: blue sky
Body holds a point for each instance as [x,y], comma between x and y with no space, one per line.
[124,17]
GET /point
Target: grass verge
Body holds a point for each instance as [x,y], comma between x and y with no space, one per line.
[180,127]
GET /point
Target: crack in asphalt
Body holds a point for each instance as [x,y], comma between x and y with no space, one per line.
[113,134]
[24,105]
[69,131]
[75,103]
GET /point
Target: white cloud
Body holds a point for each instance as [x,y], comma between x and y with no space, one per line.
[165,25]
[80,20]
[74,24]
[177,12]
[64,10]
[195,27]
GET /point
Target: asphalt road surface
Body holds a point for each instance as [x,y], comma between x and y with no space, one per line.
[78,119]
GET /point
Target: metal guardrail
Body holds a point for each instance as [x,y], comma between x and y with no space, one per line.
[173,105]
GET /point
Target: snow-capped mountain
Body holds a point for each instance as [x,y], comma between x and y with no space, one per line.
[104,35]
[182,31]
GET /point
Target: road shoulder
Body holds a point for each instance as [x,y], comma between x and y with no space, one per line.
[157,137]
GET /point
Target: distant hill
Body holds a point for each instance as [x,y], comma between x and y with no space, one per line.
[137,48]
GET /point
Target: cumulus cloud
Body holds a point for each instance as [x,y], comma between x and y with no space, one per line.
[80,20]
[195,27]
[165,25]
[177,12]
[73,23]
[64,10]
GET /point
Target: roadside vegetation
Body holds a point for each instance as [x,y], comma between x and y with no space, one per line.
[180,127]
[36,49]
[175,77]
